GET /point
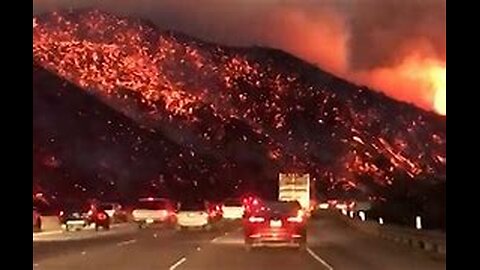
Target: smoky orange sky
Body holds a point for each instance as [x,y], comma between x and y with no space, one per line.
[394,46]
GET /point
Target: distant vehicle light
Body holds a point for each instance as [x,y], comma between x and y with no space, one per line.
[149,199]
[255,202]
[253,219]
[61,213]
[323,206]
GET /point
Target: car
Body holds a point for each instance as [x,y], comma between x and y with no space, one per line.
[114,211]
[37,220]
[215,211]
[250,204]
[73,217]
[154,211]
[195,215]
[101,219]
[276,223]
[233,209]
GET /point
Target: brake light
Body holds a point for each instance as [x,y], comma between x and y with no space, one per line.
[101,216]
[298,218]
[253,219]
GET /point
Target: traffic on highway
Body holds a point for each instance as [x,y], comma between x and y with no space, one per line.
[159,233]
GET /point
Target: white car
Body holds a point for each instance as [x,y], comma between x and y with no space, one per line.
[193,215]
[233,209]
[154,210]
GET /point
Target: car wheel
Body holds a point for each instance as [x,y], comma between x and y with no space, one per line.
[96,227]
[107,227]
[38,225]
[140,225]
[248,245]
[302,246]
[302,243]
[67,228]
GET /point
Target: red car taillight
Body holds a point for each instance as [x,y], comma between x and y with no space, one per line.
[298,218]
[253,219]
[295,219]
[101,216]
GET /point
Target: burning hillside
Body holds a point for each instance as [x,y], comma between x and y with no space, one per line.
[245,105]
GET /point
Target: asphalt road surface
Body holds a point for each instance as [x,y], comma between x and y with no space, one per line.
[331,245]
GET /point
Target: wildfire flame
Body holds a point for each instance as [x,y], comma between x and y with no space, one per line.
[439,79]
[414,78]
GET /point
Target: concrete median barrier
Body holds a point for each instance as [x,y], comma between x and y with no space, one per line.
[50,223]
[429,241]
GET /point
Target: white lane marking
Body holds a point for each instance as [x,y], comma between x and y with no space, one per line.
[47,233]
[128,242]
[178,263]
[317,258]
[84,252]
[215,239]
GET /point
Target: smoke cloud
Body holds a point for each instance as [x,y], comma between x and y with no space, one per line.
[395,46]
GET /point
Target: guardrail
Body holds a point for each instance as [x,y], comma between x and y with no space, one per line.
[430,241]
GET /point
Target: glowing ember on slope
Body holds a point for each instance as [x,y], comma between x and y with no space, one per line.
[124,59]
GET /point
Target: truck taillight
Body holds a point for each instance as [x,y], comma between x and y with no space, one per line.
[253,219]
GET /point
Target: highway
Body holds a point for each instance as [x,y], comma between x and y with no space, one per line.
[331,245]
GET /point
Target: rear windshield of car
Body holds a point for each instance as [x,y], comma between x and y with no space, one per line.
[232,203]
[192,207]
[106,206]
[282,207]
[152,205]
[74,209]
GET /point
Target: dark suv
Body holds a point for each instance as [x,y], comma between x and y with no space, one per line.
[276,223]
